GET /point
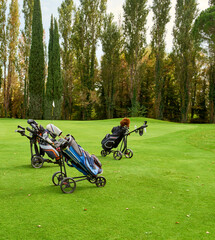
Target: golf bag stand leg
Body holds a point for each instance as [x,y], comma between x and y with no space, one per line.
[34,148]
[62,166]
[123,146]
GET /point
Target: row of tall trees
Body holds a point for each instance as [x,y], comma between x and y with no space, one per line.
[66,81]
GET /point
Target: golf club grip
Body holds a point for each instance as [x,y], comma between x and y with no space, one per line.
[21,127]
[30,130]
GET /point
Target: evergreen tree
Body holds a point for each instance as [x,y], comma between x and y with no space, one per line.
[161,10]
[186,11]
[135,14]
[67,56]
[53,103]
[110,64]
[25,48]
[57,78]
[49,96]
[36,65]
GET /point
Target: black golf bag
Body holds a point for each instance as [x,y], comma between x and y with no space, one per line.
[119,134]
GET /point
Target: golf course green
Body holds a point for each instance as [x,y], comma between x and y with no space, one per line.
[166,191]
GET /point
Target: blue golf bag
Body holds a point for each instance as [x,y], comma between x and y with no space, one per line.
[75,156]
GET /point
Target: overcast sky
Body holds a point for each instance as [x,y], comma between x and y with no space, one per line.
[49,7]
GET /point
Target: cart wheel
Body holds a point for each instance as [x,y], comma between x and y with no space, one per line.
[103,153]
[37,161]
[129,153]
[92,179]
[100,181]
[68,185]
[117,155]
[58,177]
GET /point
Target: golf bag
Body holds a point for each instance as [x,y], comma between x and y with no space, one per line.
[119,134]
[38,137]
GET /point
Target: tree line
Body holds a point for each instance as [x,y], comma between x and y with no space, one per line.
[65,80]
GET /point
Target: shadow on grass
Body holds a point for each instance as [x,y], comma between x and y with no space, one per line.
[29,166]
[53,189]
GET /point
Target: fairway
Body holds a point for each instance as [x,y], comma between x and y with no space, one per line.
[166,191]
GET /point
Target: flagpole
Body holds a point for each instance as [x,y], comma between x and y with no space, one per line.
[53,105]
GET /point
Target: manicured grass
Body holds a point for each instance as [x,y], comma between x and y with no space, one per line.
[166,191]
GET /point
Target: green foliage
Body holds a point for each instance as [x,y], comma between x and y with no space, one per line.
[12,33]
[212,2]
[122,96]
[57,73]
[36,65]
[204,31]
[146,79]
[3,7]
[110,64]
[3,53]
[132,79]
[135,14]
[49,95]
[184,51]
[28,13]
[54,82]
[25,46]
[0,75]
[65,28]
[137,110]
[161,17]
[86,32]
[171,100]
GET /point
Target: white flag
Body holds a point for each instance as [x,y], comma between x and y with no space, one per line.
[53,104]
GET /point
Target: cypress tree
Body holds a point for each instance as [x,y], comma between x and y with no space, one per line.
[49,96]
[53,103]
[26,33]
[57,79]
[36,65]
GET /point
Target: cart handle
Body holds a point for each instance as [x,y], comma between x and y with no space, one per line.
[135,130]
